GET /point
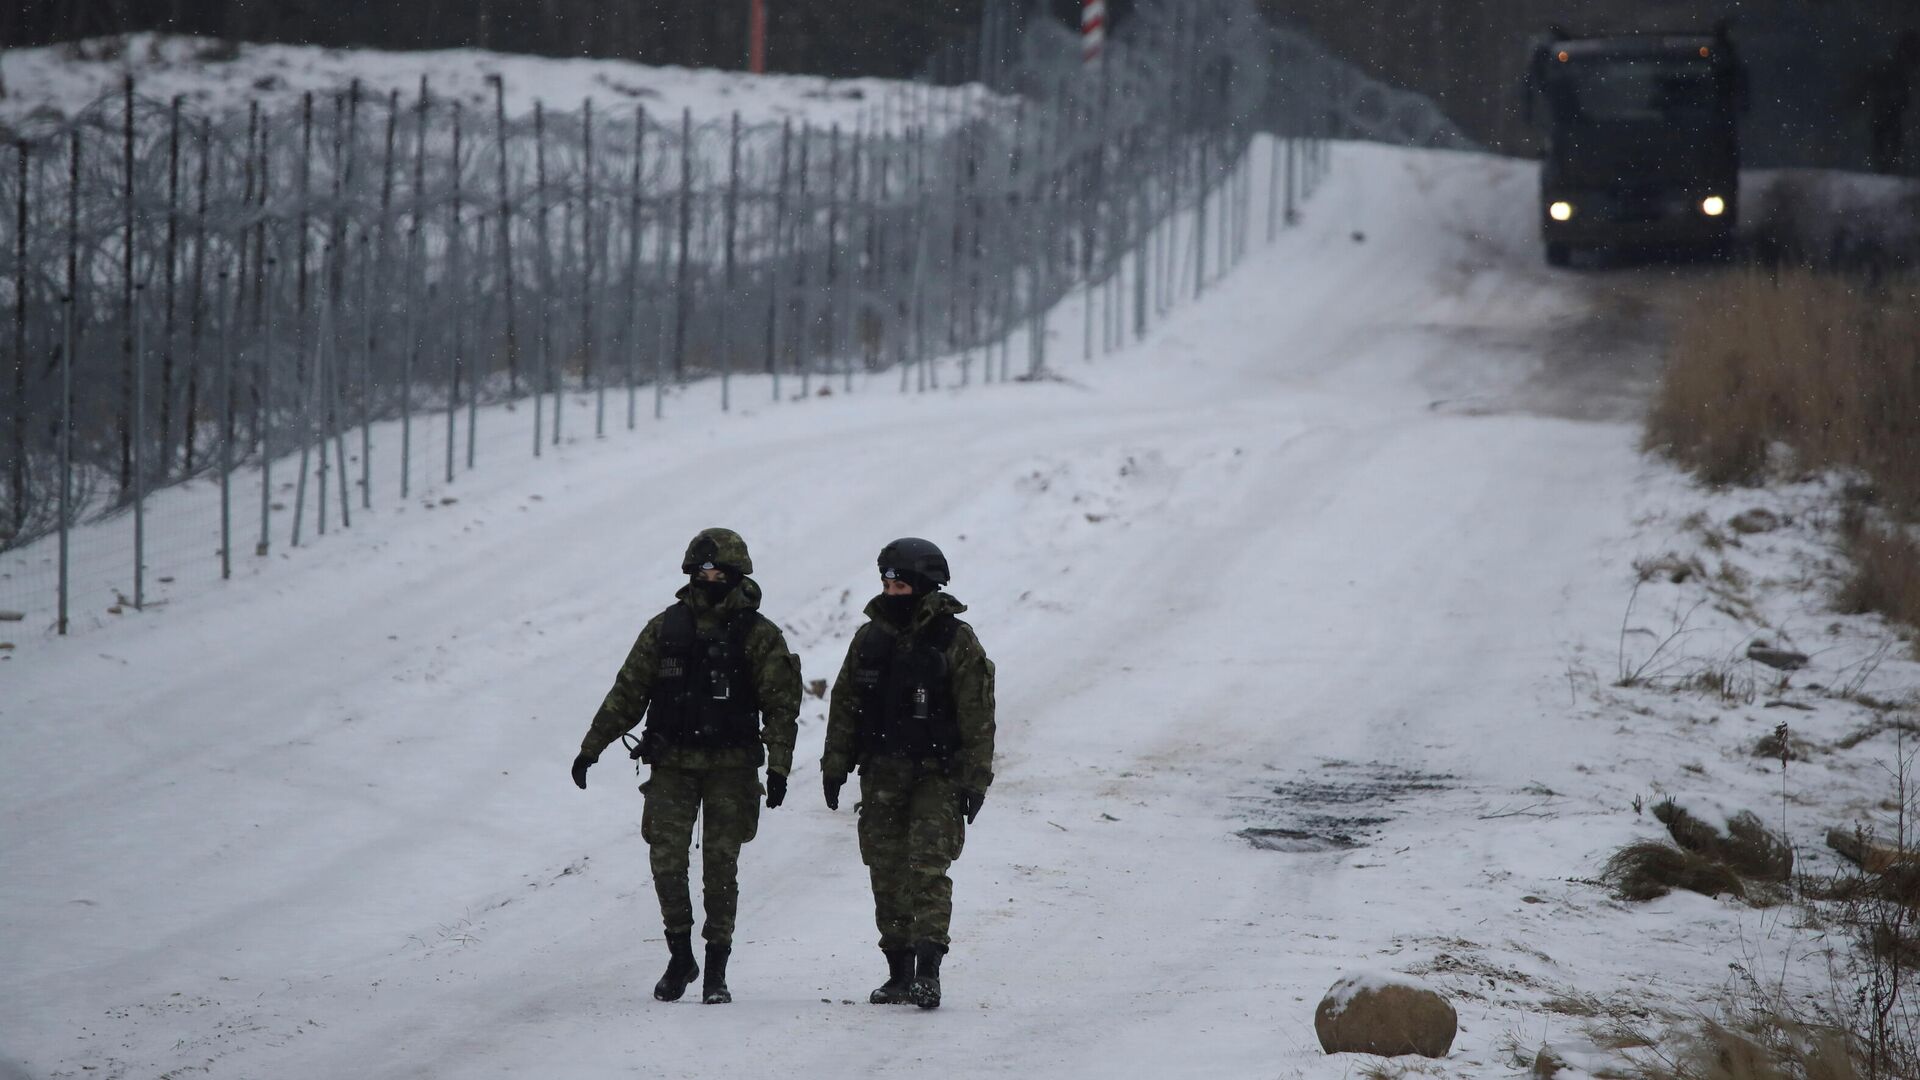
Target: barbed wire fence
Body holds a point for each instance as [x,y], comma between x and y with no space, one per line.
[261,301]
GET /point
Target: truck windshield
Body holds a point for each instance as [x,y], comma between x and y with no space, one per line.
[1639,90]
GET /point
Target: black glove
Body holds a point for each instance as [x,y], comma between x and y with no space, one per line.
[580,764]
[832,786]
[776,788]
[970,803]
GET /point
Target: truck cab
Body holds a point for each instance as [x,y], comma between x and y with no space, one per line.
[1642,145]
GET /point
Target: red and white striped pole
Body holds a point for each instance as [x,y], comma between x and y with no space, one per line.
[757,38]
[1093,30]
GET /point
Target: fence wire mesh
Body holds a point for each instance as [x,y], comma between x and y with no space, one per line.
[258,300]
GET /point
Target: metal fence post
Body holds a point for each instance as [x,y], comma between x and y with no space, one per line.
[732,212]
[545,380]
[304,389]
[636,222]
[72,301]
[683,297]
[267,268]
[802,245]
[830,280]
[506,233]
[17,473]
[302,239]
[559,374]
[196,303]
[139,447]
[456,296]
[921,240]
[662,253]
[415,255]
[1292,214]
[1202,189]
[225,347]
[317,414]
[343,162]
[171,277]
[777,278]
[125,418]
[1273,188]
[850,307]
[589,247]
[377,271]
[253,202]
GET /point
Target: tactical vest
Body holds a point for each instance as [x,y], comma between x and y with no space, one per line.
[703,691]
[906,692]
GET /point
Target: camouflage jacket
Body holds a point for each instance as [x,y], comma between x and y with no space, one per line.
[971,684]
[776,673]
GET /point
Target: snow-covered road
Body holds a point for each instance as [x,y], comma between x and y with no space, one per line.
[1315,558]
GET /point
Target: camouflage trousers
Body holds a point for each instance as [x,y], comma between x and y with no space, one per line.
[727,802]
[910,832]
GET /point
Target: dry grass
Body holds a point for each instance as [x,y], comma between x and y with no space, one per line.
[1746,845]
[1820,363]
[1769,1048]
[1574,1003]
[1886,570]
[1649,869]
[1725,681]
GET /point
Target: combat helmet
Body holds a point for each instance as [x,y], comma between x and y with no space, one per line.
[721,548]
[912,557]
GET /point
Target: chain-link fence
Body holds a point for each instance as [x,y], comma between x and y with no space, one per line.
[240,301]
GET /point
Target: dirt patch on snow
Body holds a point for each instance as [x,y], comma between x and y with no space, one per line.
[1338,807]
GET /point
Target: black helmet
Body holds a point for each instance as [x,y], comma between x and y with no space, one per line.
[911,557]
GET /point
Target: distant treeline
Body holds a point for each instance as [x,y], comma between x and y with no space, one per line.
[1810,56]
[888,38]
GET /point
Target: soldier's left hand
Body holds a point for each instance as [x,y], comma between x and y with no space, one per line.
[776,788]
[970,803]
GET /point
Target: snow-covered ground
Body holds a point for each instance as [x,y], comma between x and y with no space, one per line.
[215,75]
[1337,558]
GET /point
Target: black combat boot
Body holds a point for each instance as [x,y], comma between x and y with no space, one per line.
[899,978]
[681,969]
[714,990]
[925,991]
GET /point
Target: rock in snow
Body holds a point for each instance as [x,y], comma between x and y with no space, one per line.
[1389,1015]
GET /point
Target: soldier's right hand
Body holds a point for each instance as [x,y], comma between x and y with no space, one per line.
[832,786]
[580,764]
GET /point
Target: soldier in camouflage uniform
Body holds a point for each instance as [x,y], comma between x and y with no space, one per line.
[912,709]
[715,681]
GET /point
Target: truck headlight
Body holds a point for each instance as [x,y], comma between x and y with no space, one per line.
[1561,211]
[1713,206]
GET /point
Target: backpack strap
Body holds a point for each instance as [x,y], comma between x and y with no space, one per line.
[941,631]
[741,625]
[678,628]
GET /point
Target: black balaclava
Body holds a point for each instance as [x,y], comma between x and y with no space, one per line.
[899,609]
[715,591]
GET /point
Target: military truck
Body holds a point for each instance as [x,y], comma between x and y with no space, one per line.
[1642,146]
